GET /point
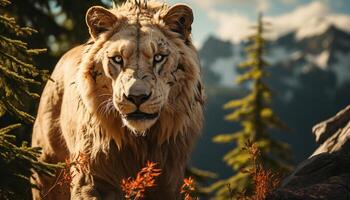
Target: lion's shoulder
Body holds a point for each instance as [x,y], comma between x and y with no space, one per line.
[68,65]
[73,56]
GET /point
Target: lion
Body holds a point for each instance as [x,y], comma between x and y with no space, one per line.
[131,94]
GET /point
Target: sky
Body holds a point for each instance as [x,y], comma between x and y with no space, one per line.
[232,19]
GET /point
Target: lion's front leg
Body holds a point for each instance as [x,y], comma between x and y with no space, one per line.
[83,187]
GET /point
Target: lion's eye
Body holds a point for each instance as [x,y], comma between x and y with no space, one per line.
[158,58]
[118,60]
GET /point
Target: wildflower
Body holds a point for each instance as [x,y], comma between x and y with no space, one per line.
[188,189]
[145,179]
[82,162]
[66,175]
[265,181]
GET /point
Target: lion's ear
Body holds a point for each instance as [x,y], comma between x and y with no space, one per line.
[99,20]
[179,18]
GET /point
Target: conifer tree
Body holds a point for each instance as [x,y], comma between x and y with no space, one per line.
[256,117]
[18,77]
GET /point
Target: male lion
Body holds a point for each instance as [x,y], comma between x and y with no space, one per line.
[131,94]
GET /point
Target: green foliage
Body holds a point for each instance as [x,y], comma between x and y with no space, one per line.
[256,118]
[17,71]
[18,77]
[16,165]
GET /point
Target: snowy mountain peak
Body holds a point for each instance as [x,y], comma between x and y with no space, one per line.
[312,27]
[319,25]
[320,60]
[326,48]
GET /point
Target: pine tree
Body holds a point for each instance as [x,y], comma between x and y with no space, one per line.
[256,117]
[18,77]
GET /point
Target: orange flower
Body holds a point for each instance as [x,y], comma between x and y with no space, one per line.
[82,162]
[265,181]
[66,174]
[188,188]
[145,179]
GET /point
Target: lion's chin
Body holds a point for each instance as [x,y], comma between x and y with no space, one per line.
[139,127]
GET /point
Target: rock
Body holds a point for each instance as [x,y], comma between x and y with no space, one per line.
[332,127]
[326,173]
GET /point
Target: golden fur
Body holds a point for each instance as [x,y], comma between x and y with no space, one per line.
[86,108]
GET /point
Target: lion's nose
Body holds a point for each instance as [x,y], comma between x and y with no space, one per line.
[138,99]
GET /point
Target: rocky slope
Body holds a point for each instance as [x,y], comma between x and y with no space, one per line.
[326,173]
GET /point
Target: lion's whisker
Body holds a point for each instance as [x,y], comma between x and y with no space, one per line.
[107,107]
[102,105]
[111,108]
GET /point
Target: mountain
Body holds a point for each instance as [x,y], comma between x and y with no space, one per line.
[329,50]
[212,50]
[310,77]
[326,49]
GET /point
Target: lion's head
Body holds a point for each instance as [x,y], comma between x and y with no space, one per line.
[142,64]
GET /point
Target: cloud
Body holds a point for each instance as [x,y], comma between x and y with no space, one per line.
[306,20]
[310,19]
[341,21]
[297,18]
[209,4]
[289,1]
[233,27]
[262,5]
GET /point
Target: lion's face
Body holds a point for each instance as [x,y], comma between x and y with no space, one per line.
[140,63]
[142,58]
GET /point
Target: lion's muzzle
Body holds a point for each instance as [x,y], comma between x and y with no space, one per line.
[137,91]
[138,99]
[138,104]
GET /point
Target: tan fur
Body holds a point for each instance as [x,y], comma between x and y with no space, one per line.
[83,110]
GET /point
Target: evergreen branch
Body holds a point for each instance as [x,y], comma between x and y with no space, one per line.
[34,52]
[2,109]
[226,138]
[17,77]
[21,154]
[18,61]
[4,3]
[10,24]
[32,94]
[21,114]
[8,129]
[13,42]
